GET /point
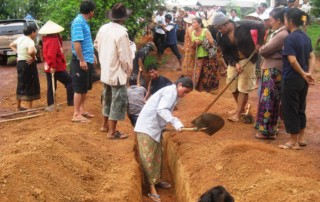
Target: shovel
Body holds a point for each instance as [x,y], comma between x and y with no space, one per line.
[247,118]
[214,122]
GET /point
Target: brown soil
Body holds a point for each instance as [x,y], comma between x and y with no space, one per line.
[49,158]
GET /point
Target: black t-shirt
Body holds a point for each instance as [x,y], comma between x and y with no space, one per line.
[159,83]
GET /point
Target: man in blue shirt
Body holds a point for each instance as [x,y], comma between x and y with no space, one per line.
[171,38]
[81,65]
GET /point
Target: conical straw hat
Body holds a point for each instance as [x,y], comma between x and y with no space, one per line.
[50,28]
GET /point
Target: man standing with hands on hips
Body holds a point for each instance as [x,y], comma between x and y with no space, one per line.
[82,60]
[115,56]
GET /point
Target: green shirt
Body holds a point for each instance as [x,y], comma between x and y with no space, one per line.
[201,52]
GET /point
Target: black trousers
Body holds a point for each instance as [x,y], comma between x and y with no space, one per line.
[159,40]
[293,103]
[174,48]
[66,79]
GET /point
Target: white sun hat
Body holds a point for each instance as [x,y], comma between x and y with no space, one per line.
[50,28]
[189,18]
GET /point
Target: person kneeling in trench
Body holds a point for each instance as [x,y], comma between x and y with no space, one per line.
[152,120]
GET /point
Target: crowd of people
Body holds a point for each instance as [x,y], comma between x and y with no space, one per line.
[226,46]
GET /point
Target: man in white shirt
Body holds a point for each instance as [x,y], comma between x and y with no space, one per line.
[159,35]
[233,15]
[113,45]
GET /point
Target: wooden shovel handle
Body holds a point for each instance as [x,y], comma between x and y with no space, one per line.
[193,129]
[225,88]
[140,70]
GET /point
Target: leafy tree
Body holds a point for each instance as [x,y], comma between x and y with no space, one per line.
[63,12]
[315,8]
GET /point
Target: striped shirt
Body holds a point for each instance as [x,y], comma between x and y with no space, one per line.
[80,32]
[115,56]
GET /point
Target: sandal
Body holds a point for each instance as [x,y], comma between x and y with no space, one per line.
[164,185]
[289,146]
[261,136]
[88,115]
[21,109]
[302,144]
[80,120]
[233,119]
[154,197]
[118,135]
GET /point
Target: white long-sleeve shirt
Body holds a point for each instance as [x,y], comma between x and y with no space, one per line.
[156,113]
[113,45]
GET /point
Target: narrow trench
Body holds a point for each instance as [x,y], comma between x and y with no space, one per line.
[166,195]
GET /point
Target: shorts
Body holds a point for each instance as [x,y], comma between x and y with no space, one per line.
[114,102]
[81,80]
[246,81]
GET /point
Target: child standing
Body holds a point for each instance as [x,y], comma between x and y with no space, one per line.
[152,120]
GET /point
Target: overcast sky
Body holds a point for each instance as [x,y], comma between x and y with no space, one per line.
[183,2]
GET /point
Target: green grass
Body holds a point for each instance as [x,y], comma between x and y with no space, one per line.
[150,59]
[313,32]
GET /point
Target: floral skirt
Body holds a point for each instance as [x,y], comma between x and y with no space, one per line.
[150,152]
[207,75]
[188,62]
[269,99]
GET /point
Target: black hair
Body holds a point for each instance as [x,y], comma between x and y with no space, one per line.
[87,6]
[133,80]
[199,21]
[29,29]
[263,4]
[233,10]
[168,16]
[278,13]
[185,81]
[296,15]
[222,10]
[152,66]
[216,194]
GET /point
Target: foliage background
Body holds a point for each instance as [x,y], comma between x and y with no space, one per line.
[64,11]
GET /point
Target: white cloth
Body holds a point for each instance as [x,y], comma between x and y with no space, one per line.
[23,43]
[306,7]
[115,55]
[234,19]
[156,113]
[160,20]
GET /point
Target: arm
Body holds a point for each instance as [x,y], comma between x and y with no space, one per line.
[166,103]
[296,66]
[78,49]
[50,59]
[13,46]
[125,54]
[209,37]
[275,44]
[252,24]
[312,60]
[32,53]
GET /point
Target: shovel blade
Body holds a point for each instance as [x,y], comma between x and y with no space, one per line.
[212,122]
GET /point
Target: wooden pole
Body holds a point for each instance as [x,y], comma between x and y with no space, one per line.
[21,118]
[28,110]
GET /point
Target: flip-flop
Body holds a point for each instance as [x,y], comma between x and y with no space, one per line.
[88,115]
[232,119]
[302,144]
[163,185]
[103,129]
[80,120]
[118,135]
[154,197]
[260,136]
[289,146]
[21,109]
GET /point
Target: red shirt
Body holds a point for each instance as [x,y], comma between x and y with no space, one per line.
[53,56]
